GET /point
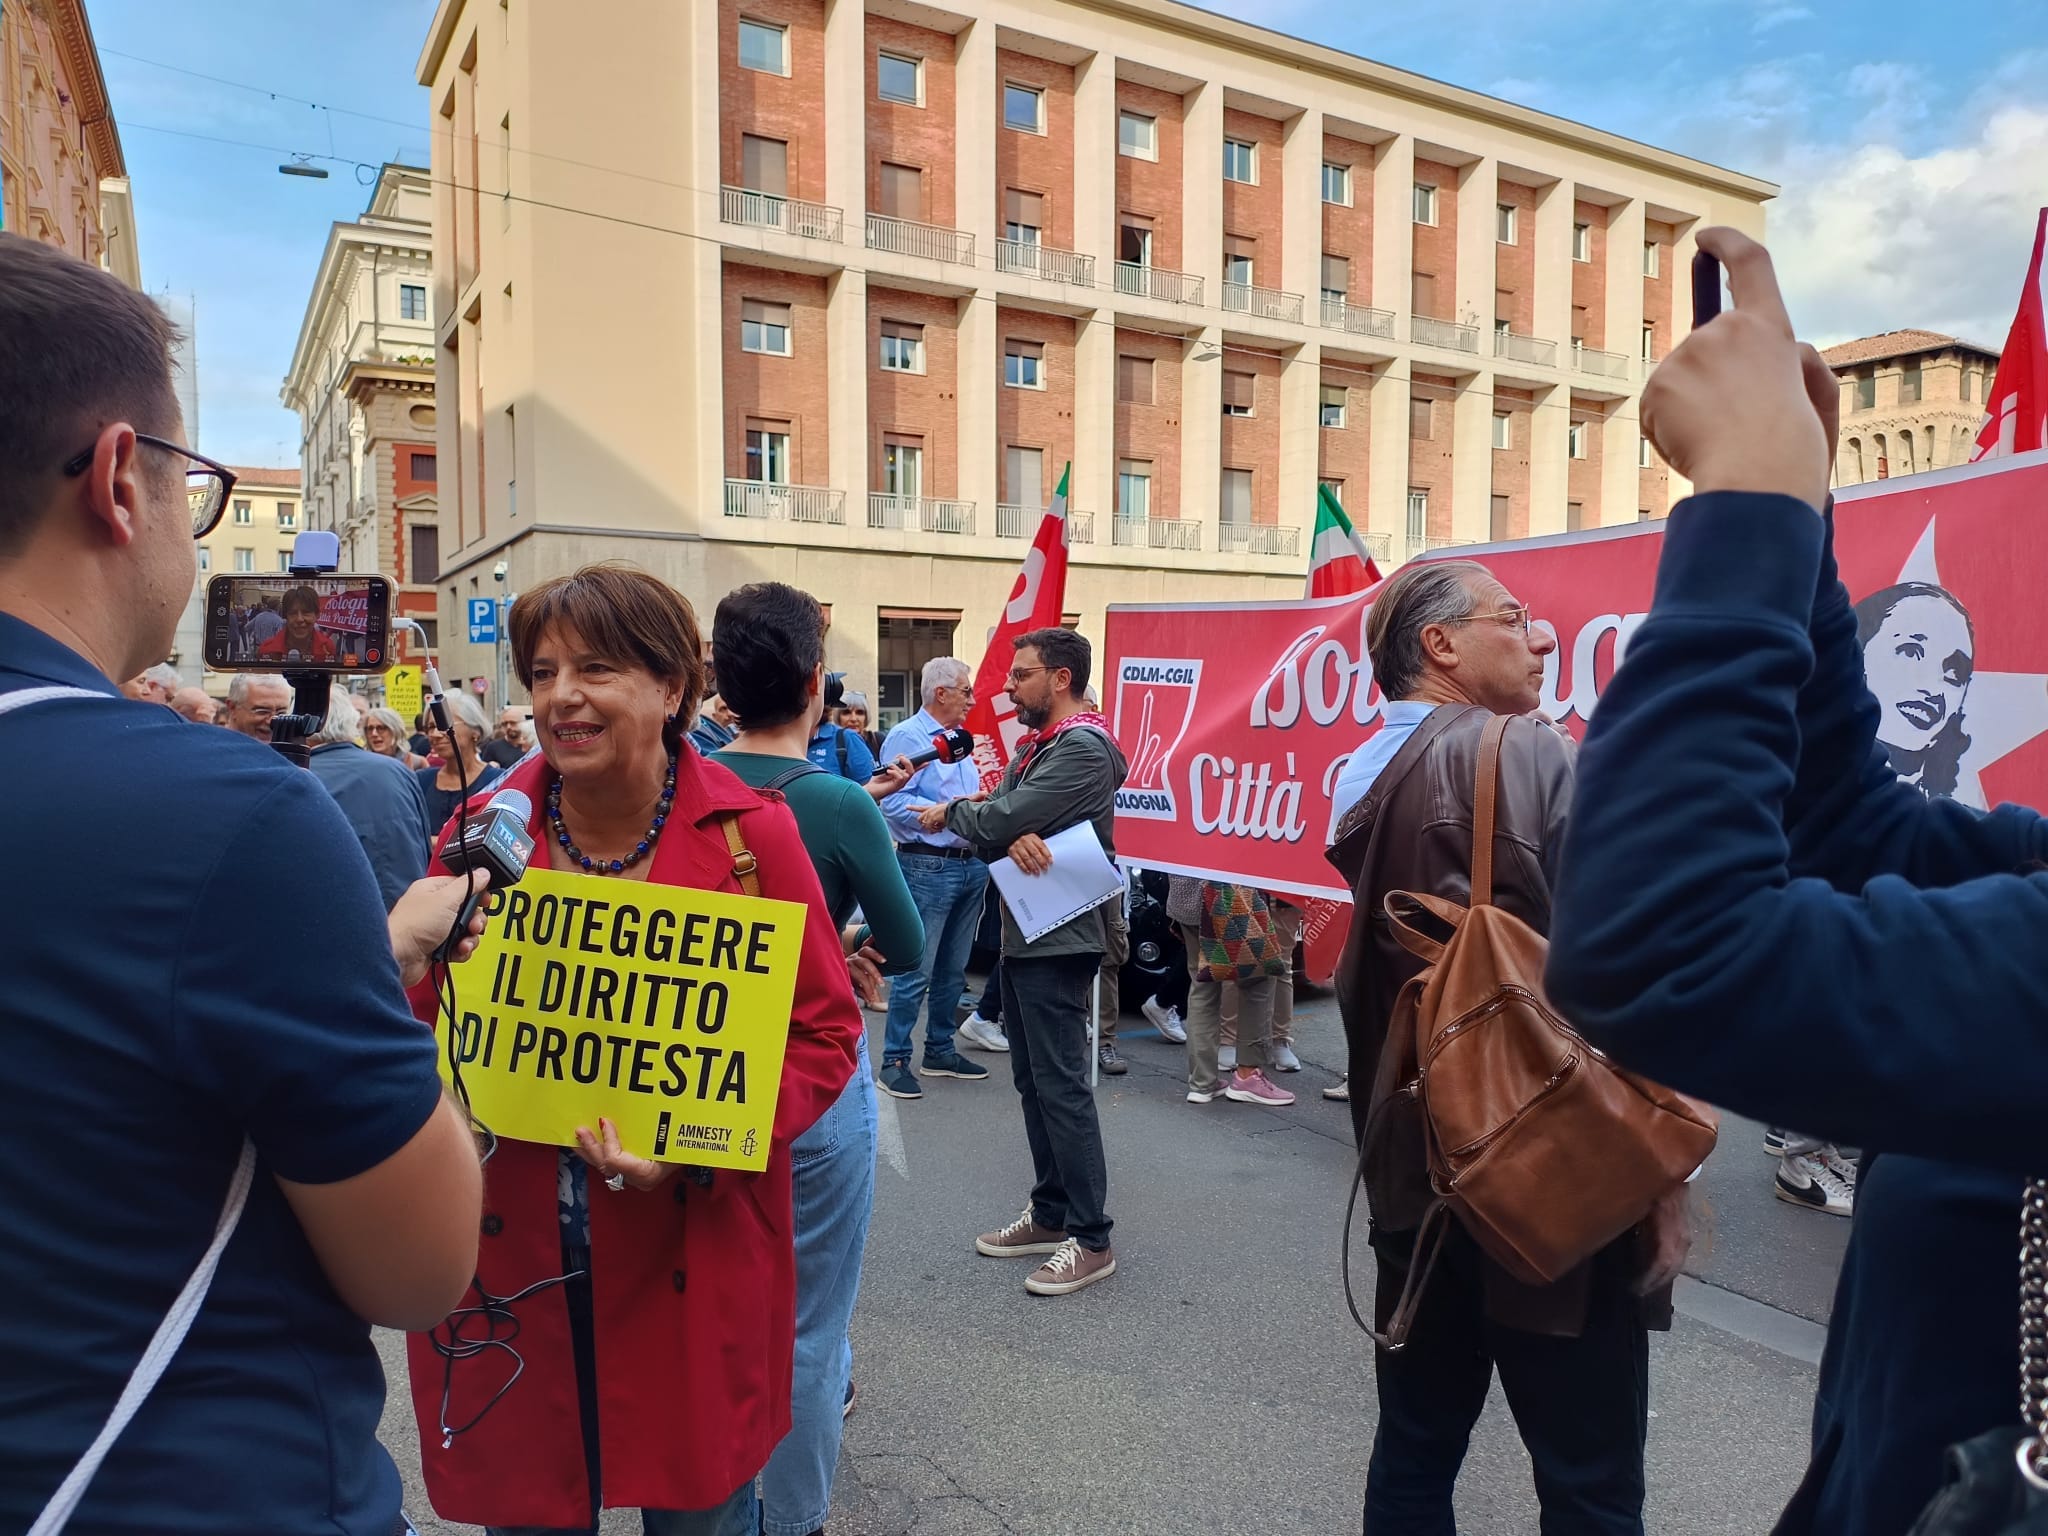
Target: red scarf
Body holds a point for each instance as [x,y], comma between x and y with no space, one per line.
[1028,745]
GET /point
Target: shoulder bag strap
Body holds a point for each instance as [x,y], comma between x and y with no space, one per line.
[21,698]
[1485,791]
[744,864]
[790,775]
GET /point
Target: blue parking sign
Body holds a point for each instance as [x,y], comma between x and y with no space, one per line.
[483,621]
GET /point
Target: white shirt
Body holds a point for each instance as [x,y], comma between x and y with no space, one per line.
[1398,720]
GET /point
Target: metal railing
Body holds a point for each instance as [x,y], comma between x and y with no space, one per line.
[1608,365]
[785,503]
[1158,283]
[1424,546]
[1035,260]
[1425,332]
[1379,545]
[1080,527]
[924,513]
[791,215]
[1525,349]
[1259,538]
[1357,320]
[1156,533]
[1017,521]
[1265,303]
[932,241]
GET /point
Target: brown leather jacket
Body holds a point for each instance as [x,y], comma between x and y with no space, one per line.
[1413,832]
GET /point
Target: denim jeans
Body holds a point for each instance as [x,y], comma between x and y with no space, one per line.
[948,895]
[832,1167]
[1045,1012]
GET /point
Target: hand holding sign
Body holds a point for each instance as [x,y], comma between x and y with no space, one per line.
[609,1160]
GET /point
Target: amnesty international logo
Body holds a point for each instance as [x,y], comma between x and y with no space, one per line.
[1155,704]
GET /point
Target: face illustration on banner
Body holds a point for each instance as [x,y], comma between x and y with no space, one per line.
[1155,703]
[1919,652]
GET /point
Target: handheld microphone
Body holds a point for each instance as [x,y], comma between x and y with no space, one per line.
[947,747]
[495,839]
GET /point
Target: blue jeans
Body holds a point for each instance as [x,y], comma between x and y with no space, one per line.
[737,1516]
[832,1168]
[948,895]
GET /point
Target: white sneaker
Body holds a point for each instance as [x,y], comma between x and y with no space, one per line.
[1811,1179]
[1165,1020]
[1284,1059]
[983,1035]
[1226,1059]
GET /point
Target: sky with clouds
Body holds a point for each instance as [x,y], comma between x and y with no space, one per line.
[1912,144]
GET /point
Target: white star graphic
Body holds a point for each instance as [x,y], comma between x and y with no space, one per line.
[2005,710]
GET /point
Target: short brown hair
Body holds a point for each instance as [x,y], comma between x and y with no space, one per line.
[78,349]
[626,616]
[1060,647]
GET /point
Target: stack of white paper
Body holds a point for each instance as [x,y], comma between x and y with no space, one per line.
[1081,879]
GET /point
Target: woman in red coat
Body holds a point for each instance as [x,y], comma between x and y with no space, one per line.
[661,1379]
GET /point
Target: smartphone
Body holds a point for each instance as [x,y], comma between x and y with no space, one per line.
[1706,288]
[334,623]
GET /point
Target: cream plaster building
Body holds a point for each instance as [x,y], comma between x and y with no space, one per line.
[828,291]
[362,385]
[63,179]
[1911,401]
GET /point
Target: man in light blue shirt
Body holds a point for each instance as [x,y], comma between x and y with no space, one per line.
[947,881]
[1398,719]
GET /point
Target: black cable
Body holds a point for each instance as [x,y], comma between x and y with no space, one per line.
[495,1311]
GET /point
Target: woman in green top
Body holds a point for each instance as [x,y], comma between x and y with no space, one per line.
[770,642]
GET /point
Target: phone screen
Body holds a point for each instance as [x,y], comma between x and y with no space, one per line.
[337,623]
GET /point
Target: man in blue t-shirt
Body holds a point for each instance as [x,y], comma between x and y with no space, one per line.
[198,959]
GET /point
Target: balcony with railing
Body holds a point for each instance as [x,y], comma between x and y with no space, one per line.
[1426,545]
[1425,332]
[1379,545]
[785,503]
[1532,350]
[790,215]
[1158,283]
[933,242]
[1357,320]
[1156,533]
[925,514]
[1261,303]
[1607,365]
[1015,521]
[1031,259]
[1259,538]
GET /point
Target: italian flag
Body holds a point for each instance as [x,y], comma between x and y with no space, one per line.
[1338,564]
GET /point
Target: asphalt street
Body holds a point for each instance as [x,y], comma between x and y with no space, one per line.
[1217,1381]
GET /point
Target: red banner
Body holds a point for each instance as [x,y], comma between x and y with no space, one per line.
[1238,717]
[346,611]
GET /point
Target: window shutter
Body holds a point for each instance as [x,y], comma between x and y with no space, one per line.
[1024,208]
[1134,380]
[1337,274]
[1238,389]
[756,312]
[764,165]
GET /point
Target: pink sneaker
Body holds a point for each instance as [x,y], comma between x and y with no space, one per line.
[1256,1090]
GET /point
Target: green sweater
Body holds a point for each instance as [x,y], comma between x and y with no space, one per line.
[851,849]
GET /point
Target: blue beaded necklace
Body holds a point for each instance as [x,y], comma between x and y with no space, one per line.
[640,849]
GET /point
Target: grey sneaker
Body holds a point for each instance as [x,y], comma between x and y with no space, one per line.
[1112,1061]
[1284,1059]
[1022,1238]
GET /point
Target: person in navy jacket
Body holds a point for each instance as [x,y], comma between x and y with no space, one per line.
[1754,909]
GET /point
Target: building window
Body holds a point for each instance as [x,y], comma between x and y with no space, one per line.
[1134,489]
[1503,430]
[1024,364]
[768,452]
[1334,399]
[425,564]
[902,347]
[1419,418]
[1582,242]
[1504,223]
[900,79]
[1239,391]
[1240,161]
[1425,203]
[1642,514]
[1642,453]
[764,166]
[1024,477]
[1574,516]
[1649,342]
[1137,135]
[764,47]
[287,517]
[764,327]
[245,560]
[1024,108]
[1335,488]
[425,467]
[1337,184]
[1336,279]
[1239,259]
[1498,516]
[903,466]
[1422,294]
[284,562]
[1575,440]
[412,301]
[1866,392]
[1651,261]
[902,192]
[243,515]
[1237,498]
[1134,380]
[1134,242]
[1963,386]
[205,559]
[1418,516]
[1023,216]
[1909,384]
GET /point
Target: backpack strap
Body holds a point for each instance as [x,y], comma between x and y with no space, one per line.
[744,865]
[845,768]
[1486,791]
[790,775]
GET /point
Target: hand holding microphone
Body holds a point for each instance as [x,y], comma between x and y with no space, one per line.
[496,841]
[948,746]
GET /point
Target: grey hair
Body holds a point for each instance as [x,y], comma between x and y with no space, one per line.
[401,733]
[466,711]
[243,683]
[343,723]
[943,672]
[165,676]
[1421,593]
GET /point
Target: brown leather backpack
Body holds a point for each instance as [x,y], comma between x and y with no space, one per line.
[1543,1149]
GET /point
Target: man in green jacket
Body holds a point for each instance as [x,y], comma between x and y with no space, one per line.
[1066,772]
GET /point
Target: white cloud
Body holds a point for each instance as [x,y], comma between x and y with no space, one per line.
[1779,16]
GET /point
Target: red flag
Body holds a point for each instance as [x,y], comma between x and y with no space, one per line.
[2016,418]
[1035,603]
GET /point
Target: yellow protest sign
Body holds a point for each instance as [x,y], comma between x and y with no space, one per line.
[404,692]
[662,1008]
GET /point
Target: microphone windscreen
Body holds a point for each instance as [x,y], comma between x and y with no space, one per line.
[513,801]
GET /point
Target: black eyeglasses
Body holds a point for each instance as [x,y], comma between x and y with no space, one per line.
[207,483]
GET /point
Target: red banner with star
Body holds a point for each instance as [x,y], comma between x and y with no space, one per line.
[1237,718]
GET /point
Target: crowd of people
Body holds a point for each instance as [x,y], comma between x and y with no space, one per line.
[256,1056]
